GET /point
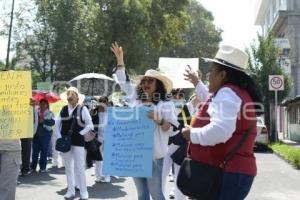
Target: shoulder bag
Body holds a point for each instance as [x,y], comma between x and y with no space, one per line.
[63,144]
[201,181]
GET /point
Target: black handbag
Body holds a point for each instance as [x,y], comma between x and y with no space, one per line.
[63,144]
[201,181]
[93,150]
[92,145]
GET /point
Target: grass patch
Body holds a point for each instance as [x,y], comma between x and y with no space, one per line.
[289,153]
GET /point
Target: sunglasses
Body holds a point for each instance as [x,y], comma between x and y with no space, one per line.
[102,101]
[148,80]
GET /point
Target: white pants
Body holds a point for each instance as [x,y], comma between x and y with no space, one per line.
[99,164]
[55,153]
[166,169]
[74,161]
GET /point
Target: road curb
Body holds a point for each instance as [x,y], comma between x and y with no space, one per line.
[287,161]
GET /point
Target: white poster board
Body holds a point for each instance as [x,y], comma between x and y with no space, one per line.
[174,68]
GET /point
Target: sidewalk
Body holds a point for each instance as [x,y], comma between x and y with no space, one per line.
[287,141]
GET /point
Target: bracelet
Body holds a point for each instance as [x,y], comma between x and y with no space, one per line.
[162,121]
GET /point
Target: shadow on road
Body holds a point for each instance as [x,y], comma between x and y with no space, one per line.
[103,190]
[36,179]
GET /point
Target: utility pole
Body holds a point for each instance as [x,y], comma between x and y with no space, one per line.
[9,34]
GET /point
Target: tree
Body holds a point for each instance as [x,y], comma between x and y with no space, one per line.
[2,65]
[71,37]
[264,62]
[201,39]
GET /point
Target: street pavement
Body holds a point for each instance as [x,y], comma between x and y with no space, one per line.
[276,180]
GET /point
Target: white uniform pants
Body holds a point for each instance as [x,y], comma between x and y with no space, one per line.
[74,161]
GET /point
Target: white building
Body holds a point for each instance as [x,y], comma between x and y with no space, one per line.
[282,18]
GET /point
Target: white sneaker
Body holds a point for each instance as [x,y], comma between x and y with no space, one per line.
[107,179]
[98,180]
[69,195]
[103,179]
[84,196]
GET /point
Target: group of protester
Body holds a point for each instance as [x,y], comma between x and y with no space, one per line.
[217,124]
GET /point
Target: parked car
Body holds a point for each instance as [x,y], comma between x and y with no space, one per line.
[262,137]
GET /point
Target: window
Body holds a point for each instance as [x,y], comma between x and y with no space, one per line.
[293,114]
[298,114]
[282,5]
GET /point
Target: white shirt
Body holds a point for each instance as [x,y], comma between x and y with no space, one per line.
[223,111]
[86,117]
[165,109]
[201,91]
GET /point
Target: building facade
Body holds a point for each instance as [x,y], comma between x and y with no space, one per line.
[282,18]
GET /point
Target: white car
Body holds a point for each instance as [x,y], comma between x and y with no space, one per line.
[262,137]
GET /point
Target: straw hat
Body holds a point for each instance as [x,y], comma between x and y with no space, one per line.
[168,84]
[231,57]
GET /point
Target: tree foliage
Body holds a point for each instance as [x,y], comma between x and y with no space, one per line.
[71,37]
[264,62]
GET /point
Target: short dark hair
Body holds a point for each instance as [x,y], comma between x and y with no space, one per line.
[45,101]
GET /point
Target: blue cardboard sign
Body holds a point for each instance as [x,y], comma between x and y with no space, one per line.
[128,142]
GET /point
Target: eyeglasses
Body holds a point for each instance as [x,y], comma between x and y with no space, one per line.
[148,80]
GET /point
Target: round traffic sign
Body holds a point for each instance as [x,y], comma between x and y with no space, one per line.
[276,82]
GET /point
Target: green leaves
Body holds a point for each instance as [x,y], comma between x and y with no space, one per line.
[264,62]
[70,37]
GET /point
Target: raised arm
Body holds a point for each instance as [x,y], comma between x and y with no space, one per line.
[200,89]
[125,85]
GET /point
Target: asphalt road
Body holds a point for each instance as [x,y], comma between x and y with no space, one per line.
[276,180]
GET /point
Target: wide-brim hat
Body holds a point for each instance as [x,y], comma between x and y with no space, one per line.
[64,95]
[168,84]
[230,56]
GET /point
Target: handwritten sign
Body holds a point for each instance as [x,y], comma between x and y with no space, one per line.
[175,68]
[128,142]
[16,115]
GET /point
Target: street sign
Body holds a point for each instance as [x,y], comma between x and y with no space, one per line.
[276,82]
[283,45]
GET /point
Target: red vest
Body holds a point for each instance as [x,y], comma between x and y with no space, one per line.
[243,161]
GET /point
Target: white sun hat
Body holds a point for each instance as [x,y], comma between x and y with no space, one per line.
[168,84]
[230,56]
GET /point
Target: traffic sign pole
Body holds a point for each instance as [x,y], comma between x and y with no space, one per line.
[275,132]
[276,82]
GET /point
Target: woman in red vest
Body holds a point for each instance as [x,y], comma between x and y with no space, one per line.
[220,123]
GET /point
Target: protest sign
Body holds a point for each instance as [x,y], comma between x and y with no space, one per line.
[128,142]
[174,68]
[16,115]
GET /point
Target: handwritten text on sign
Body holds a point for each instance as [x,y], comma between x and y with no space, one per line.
[16,116]
[128,142]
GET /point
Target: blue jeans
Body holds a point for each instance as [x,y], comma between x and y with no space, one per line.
[235,186]
[40,144]
[151,186]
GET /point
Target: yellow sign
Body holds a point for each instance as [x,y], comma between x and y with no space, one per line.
[16,115]
[57,106]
